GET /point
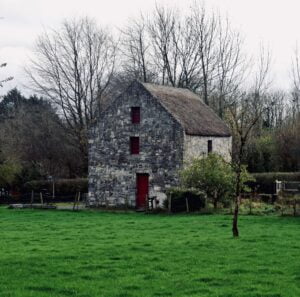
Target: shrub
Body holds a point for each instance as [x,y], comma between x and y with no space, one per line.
[62,186]
[9,171]
[180,197]
[266,198]
[287,201]
[265,182]
[212,175]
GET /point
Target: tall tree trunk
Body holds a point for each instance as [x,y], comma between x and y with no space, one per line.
[235,229]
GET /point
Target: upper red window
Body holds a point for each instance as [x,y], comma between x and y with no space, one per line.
[135,115]
[134,145]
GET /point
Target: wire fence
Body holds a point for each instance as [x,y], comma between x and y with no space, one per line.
[38,197]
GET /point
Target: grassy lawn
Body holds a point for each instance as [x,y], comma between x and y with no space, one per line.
[62,253]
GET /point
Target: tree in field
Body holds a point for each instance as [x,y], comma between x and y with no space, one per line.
[242,119]
[244,113]
[72,68]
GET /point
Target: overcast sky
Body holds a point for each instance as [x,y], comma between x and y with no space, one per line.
[275,23]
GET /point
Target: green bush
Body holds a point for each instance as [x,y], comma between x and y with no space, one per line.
[266,198]
[9,171]
[288,201]
[62,186]
[265,182]
[211,175]
[180,196]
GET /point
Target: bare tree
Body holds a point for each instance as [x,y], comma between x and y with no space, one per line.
[295,102]
[205,32]
[73,67]
[164,33]
[231,65]
[190,56]
[161,49]
[198,51]
[136,50]
[244,113]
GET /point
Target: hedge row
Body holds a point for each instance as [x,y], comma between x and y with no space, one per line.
[62,186]
[265,182]
[180,197]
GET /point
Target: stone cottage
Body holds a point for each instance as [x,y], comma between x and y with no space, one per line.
[142,139]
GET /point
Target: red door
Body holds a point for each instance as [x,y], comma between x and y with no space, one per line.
[142,186]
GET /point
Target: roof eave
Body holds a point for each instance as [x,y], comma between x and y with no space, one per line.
[207,135]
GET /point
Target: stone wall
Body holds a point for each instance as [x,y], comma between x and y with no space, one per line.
[196,146]
[112,169]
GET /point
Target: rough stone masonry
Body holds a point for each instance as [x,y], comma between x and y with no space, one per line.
[164,142]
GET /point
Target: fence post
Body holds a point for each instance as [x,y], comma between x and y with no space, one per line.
[53,189]
[147,203]
[278,186]
[32,197]
[75,201]
[187,204]
[250,202]
[170,202]
[126,203]
[106,201]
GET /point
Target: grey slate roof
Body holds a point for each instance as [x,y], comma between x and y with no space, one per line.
[193,114]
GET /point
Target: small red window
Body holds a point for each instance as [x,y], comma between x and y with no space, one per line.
[135,115]
[134,145]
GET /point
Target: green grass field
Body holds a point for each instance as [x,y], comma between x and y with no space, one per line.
[63,253]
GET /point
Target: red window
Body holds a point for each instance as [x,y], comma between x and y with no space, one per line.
[134,145]
[135,115]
